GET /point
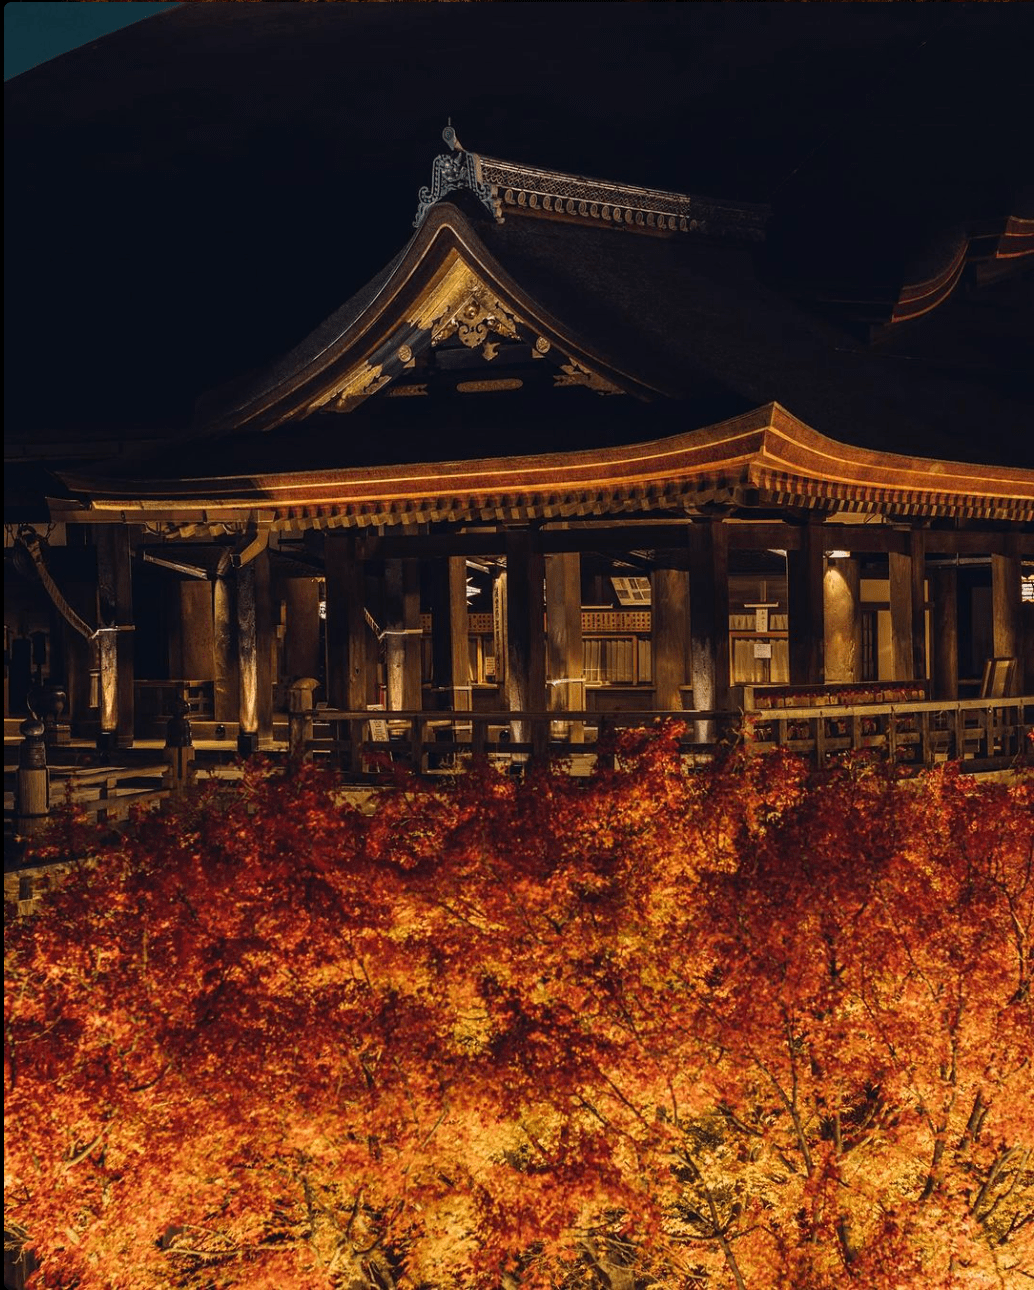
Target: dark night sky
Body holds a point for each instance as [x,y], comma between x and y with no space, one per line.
[189,196]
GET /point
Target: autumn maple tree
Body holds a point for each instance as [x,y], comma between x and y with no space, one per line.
[747,1027]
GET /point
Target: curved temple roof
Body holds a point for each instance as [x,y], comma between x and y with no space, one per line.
[762,459]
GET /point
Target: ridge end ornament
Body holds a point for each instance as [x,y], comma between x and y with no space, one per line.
[454,171]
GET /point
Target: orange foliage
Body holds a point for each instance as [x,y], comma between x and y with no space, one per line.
[746,1027]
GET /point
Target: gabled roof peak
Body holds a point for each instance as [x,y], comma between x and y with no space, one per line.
[507,187]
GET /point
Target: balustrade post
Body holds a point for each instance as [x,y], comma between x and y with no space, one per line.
[33,786]
[300,718]
[179,748]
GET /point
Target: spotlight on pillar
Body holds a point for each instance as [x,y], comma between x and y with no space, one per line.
[838,555]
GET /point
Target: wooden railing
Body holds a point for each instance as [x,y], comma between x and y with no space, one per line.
[431,741]
[108,793]
[916,733]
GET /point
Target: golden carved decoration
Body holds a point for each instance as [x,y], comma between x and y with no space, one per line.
[478,316]
[573,373]
[541,345]
[404,353]
[488,387]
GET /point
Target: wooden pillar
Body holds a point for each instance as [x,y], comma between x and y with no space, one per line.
[402,642]
[450,651]
[197,641]
[115,591]
[709,620]
[669,630]
[80,653]
[1006,593]
[247,661]
[525,636]
[564,658]
[302,641]
[804,579]
[254,655]
[224,642]
[842,620]
[944,580]
[350,643]
[265,642]
[907,609]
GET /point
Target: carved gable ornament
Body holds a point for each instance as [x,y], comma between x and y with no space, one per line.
[459,306]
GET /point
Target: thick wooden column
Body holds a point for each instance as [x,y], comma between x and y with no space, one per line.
[80,653]
[450,628]
[669,632]
[302,641]
[944,583]
[709,619]
[525,636]
[265,640]
[224,644]
[115,592]
[247,662]
[907,609]
[197,631]
[254,655]
[1006,610]
[804,594]
[402,642]
[350,643]
[564,658]
[842,620]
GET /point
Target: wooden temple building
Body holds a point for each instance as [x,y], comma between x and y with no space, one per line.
[574,456]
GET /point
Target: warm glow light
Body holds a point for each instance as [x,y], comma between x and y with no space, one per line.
[837,555]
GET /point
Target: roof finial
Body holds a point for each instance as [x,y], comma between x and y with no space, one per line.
[449,135]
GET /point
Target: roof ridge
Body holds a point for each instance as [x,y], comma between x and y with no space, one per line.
[498,184]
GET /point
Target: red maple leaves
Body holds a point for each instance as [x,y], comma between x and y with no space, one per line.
[744,1027]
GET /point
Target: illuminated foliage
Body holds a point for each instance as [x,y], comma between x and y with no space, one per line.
[746,1027]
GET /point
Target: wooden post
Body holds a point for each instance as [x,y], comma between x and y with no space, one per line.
[564,659]
[115,590]
[264,645]
[247,662]
[81,594]
[349,640]
[402,642]
[944,581]
[709,620]
[224,639]
[179,748]
[450,652]
[197,631]
[32,802]
[1006,591]
[526,645]
[302,642]
[669,634]
[907,609]
[804,591]
[300,719]
[842,620]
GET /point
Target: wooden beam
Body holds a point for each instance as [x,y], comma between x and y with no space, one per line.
[525,635]
[564,658]
[804,572]
[669,631]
